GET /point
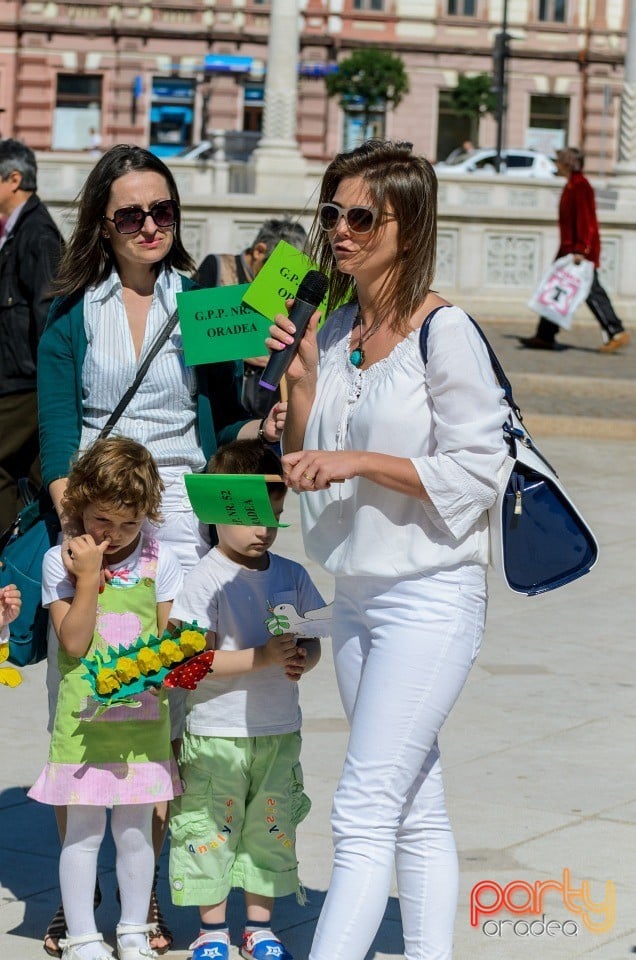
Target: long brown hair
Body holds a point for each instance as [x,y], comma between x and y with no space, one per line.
[398,179]
[87,260]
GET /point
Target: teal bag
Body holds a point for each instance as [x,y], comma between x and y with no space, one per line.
[36,529]
[22,549]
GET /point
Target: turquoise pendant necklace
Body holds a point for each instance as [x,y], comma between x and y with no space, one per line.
[357,356]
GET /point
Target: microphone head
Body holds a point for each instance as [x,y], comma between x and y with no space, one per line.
[313,287]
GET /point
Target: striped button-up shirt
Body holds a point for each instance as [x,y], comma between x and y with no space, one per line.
[162,414]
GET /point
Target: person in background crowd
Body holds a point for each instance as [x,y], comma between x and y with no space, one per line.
[94,142]
[30,248]
[226,269]
[460,152]
[578,227]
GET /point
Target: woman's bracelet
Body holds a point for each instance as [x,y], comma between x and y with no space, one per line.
[261,431]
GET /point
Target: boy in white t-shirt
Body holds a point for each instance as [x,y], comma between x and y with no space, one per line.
[235,824]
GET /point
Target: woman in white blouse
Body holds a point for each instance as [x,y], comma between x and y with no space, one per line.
[397,464]
[117,287]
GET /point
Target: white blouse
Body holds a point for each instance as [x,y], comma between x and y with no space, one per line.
[163,413]
[447,418]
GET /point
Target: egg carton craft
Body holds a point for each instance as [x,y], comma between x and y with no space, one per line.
[123,673]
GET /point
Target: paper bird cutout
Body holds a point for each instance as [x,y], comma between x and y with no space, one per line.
[286,619]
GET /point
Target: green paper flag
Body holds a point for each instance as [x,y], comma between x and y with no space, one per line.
[234,498]
[278,280]
[216,324]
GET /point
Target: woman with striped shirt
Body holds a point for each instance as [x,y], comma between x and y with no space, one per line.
[116,289]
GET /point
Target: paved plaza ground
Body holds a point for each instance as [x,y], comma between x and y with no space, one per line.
[538,753]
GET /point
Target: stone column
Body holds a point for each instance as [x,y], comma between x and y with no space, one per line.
[280,167]
[627,132]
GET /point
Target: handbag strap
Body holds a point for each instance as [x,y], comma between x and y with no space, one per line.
[141,373]
[502,379]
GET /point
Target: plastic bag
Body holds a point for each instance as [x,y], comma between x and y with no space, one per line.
[564,286]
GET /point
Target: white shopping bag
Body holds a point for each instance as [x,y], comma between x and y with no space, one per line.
[564,286]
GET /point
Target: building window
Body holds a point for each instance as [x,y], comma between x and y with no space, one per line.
[452,129]
[171,115]
[253,101]
[359,126]
[552,11]
[462,8]
[549,123]
[374,5]
[77,119]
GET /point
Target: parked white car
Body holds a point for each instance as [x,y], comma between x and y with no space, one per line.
[238,145]
[199,151]
[514,163]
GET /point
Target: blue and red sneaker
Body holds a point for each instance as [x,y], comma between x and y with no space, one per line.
[212,945]
[263,945]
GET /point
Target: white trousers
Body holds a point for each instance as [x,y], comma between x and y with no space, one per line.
[402,650]
[179,528]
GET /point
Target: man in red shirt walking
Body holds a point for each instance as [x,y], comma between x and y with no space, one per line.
[579,236]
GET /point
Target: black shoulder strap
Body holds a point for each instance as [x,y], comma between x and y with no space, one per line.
[141,373]
[502,379]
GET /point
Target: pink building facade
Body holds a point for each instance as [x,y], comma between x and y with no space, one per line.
[165,74]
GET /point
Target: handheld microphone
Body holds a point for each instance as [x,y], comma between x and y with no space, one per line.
[310,292]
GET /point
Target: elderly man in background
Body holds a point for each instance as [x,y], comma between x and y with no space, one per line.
[226,269]
[30,248]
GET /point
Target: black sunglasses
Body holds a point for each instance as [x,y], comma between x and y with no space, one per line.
[359,219]
[131,219]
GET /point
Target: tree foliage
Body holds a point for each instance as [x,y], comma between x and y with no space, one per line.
[369,80]
[474,96]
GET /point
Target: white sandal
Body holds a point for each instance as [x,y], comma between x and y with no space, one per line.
[135,953]
[70,953]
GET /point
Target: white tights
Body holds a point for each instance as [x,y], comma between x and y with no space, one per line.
[402,651]
[131,826]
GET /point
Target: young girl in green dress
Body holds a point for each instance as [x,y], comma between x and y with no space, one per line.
[121,759]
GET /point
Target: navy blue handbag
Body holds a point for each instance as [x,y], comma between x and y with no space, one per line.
[538,539]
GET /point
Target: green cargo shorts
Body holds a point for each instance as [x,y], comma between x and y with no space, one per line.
[235,823]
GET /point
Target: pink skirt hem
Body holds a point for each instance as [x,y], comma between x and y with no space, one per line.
[107,784]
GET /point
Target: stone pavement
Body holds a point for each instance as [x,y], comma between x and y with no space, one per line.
[538,752]
[576,390]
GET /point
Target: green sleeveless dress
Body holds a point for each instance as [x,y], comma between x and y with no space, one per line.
[123,756]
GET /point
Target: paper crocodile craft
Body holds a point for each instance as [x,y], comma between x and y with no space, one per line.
[121,674]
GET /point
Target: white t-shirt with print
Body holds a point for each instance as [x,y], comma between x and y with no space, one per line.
[235,602]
